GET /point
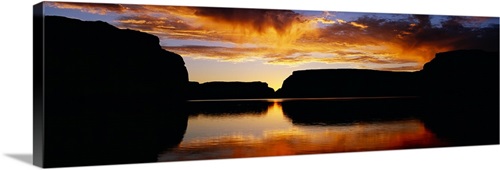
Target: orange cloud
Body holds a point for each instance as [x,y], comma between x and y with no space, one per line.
[325,21]
[341,21]
[358,25]
[277,28]
[289,38]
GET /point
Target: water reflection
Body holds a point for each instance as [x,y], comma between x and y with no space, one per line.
[248,122]
[338,112]
[228,108]
[287,127]
[79,138]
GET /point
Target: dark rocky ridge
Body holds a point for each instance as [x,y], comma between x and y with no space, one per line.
[110,95]
[462,73]
[349,83]
[461,94]
[98,63]
[229,90]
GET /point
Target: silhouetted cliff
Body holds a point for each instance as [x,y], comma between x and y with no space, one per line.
[229,90]
[461,94]
[349,83]
[96,64]
[110,95]
[462,74]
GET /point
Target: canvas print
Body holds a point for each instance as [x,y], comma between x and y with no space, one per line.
[121,83]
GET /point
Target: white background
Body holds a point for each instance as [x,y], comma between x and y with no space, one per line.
[16,94]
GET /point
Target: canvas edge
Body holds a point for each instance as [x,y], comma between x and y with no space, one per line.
[38,75]
[38,85]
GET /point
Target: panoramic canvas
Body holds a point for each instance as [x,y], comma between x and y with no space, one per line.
[121,83]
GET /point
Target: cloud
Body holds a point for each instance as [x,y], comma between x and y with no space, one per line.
[290,38]
[458,33]
[257,20]
[227,54]
[291,57]
[164,26]
[361,26]
[400,68]
[415,39]
[325,21]
[101,9]
[276,27]
[341,21]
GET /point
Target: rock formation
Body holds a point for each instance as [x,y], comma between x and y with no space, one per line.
[96,64]
[110,95]
[461,95]
[349,83]
[230,90]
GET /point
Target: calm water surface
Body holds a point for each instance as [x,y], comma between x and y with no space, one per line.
[250,128]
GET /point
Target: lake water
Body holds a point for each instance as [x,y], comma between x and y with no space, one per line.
[273,127]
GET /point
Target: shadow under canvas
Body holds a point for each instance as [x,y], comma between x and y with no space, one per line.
[26,158]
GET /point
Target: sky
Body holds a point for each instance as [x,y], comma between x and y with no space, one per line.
[238,44]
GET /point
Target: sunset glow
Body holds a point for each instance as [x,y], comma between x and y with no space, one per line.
[271,44]
[275,136]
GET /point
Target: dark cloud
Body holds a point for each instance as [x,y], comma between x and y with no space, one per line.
[256,19]
[424,21]
[456,32]
[417,35]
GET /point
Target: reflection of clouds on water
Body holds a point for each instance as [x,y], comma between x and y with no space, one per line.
[273,134]
[223,123]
